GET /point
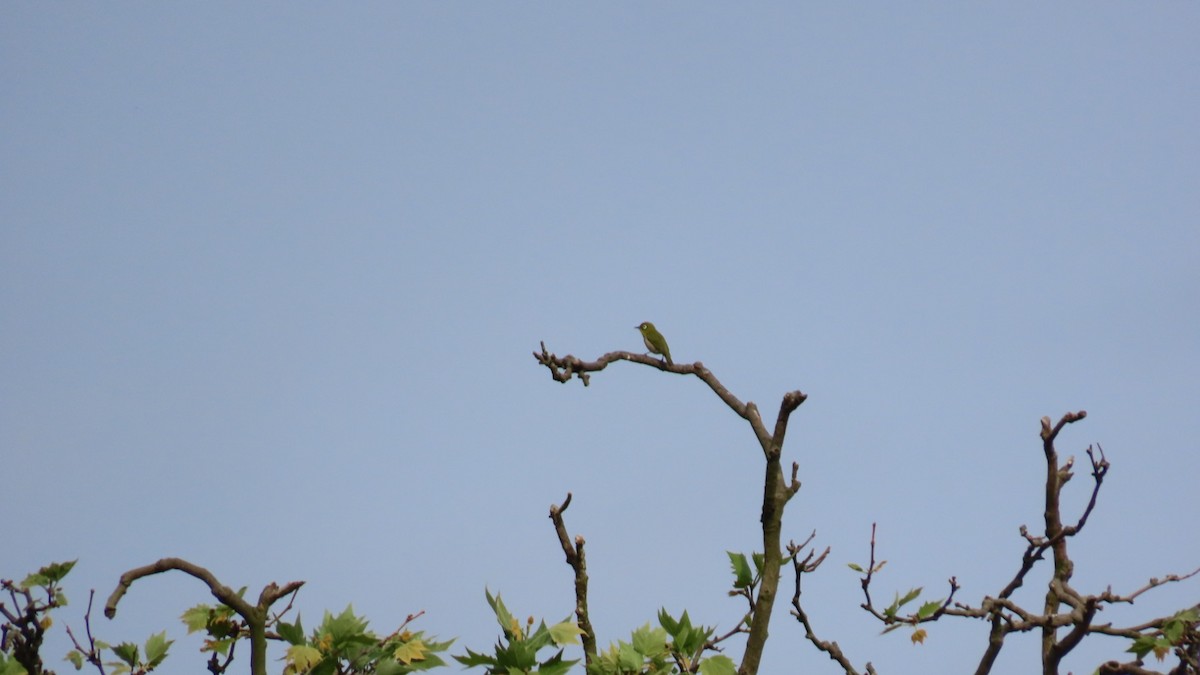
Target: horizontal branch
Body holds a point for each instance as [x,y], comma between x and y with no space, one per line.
[563,368]
[221,592]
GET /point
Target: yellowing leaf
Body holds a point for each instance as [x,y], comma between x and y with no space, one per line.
[410,651]
[918,636]
[302,658]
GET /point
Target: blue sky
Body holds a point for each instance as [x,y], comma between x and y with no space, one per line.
[271,274]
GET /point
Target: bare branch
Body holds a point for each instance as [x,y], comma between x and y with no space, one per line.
[1130,668]
[91,654]
[255,616]
[563,368]
[577,559]
[802,567]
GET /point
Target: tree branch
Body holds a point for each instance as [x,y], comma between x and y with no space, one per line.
[578,562]
[777,491]
[254,616]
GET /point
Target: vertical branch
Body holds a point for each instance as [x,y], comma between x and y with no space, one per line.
[578,562]
[1056,477]
[776,494]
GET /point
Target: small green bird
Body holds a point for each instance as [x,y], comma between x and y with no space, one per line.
[655,342]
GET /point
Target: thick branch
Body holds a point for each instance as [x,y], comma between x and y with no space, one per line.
[776,494]
[254,616]
[1056,477]
[221,592]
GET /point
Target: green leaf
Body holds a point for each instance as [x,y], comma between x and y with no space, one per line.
[1173,630]
[743,577]
[667,622]
[472,659]
[74,656]
[566,633]
[507,623]
[345,629]
[687,639]
[196,618]
[10,666]
[628,658]
[48,575]
[1187,616]
[855,567]
[898,602]
[127,652]
[325,667]
[1143,645]
[391,667]
[35,580]
[540,638]
[650,642]
[759,559]
[292,633]
[58,571]
[929,608]
[156,648]
[718,665]
[910,596]
[555,665]
[218,646]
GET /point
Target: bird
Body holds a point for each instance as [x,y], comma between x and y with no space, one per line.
[655,342]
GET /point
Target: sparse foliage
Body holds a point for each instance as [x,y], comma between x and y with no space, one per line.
[342,644]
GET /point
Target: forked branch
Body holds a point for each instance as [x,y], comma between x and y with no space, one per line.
[255,616]
[777,489]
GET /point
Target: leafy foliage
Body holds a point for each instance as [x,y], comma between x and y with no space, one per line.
[517,650]
[1181,626]
[343,644]
[676,646]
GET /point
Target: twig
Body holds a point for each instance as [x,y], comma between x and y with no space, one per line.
[802,567]
[91,653]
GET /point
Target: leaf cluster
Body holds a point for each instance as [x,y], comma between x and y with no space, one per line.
[517,650]
[1181,629]
[676,646]
[342,644]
